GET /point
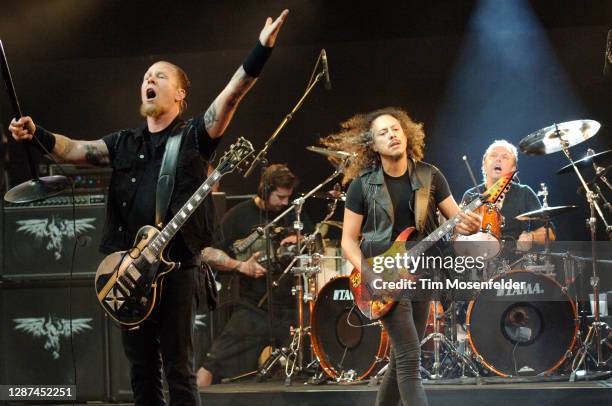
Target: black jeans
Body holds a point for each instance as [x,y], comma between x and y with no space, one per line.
[166,338]
[405,324]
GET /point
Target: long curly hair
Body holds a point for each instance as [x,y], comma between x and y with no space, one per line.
[356,137]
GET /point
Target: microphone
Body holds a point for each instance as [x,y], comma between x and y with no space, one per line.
[608,55]
[326,67]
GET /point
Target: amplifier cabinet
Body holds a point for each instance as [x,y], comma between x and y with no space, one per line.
[35,339]
[39,241]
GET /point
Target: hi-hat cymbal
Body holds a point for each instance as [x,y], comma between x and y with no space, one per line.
[603,159]
[544,213]
[330,195]
[551,139]
[333,223]
[329,152]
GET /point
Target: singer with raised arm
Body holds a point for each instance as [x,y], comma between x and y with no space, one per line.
[382,200]
[165,339]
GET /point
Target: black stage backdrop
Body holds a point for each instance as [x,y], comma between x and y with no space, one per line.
[77,68]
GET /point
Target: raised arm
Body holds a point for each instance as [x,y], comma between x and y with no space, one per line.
[220,112]
[63,148]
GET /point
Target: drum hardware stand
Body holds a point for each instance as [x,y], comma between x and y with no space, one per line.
[297,345]
[439,339]
[594,333]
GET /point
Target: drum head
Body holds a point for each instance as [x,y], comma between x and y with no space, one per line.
[339,345]
[522,331]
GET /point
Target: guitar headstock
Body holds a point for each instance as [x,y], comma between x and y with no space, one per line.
[235,155]
[494,192]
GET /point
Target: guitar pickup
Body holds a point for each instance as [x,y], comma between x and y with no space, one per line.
[132,273]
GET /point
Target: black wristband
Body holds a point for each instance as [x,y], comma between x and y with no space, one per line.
[255,61]
[45,140]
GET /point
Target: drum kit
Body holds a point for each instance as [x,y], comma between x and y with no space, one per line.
[537,330]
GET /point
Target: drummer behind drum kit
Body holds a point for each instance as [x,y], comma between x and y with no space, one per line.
[525,334]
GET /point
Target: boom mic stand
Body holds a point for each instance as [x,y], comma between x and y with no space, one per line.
[261,159]
[36,188]
[311,84]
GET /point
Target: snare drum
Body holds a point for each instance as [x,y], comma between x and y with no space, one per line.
[486,243]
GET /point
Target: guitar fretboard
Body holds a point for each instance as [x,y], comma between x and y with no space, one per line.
[179,219]
[446,227]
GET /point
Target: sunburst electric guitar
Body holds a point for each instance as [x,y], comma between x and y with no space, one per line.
[374,307]
[128,283]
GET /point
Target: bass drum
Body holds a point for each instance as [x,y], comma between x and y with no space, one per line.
[345,347]
[525,331]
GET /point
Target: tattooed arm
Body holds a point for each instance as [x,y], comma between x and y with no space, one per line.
[221,261]
[64,149]
[81,152]
[221,111]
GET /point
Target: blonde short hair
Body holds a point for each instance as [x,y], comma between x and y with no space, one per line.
[499,143]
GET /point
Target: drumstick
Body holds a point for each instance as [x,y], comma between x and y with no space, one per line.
[470,170]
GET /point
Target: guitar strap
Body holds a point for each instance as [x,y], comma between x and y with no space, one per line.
[421,197]
[167,173]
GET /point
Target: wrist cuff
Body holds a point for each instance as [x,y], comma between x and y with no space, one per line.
[45,140]
[255,61]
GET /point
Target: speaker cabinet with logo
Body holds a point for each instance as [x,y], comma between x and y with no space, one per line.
[35,340]
[39,241]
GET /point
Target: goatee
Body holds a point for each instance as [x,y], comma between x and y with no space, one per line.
[149,110]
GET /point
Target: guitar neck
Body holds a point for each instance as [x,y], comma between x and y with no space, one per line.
[245,243]
[446,227]
[180,218]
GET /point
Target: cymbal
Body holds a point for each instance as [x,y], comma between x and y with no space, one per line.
[329,152]
[551,139]
[333,223]
[37,189]
[544,213]
[330,195]
[600,158]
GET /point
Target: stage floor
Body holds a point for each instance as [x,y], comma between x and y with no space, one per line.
[489,391]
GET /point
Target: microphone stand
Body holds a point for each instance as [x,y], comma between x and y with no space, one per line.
[36,188]
[261,155]
[261,159]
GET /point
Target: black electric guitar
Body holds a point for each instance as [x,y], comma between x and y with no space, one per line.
[128,283]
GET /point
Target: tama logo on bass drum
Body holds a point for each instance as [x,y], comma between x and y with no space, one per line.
[343,294]
[525,289]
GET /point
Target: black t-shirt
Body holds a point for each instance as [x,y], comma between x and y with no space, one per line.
[518,200]
[402,198]
[138,179]
[237,224]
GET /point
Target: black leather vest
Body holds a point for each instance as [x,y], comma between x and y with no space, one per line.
[378,221]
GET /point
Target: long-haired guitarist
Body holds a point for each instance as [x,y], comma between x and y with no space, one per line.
[382,200]
[136,155]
